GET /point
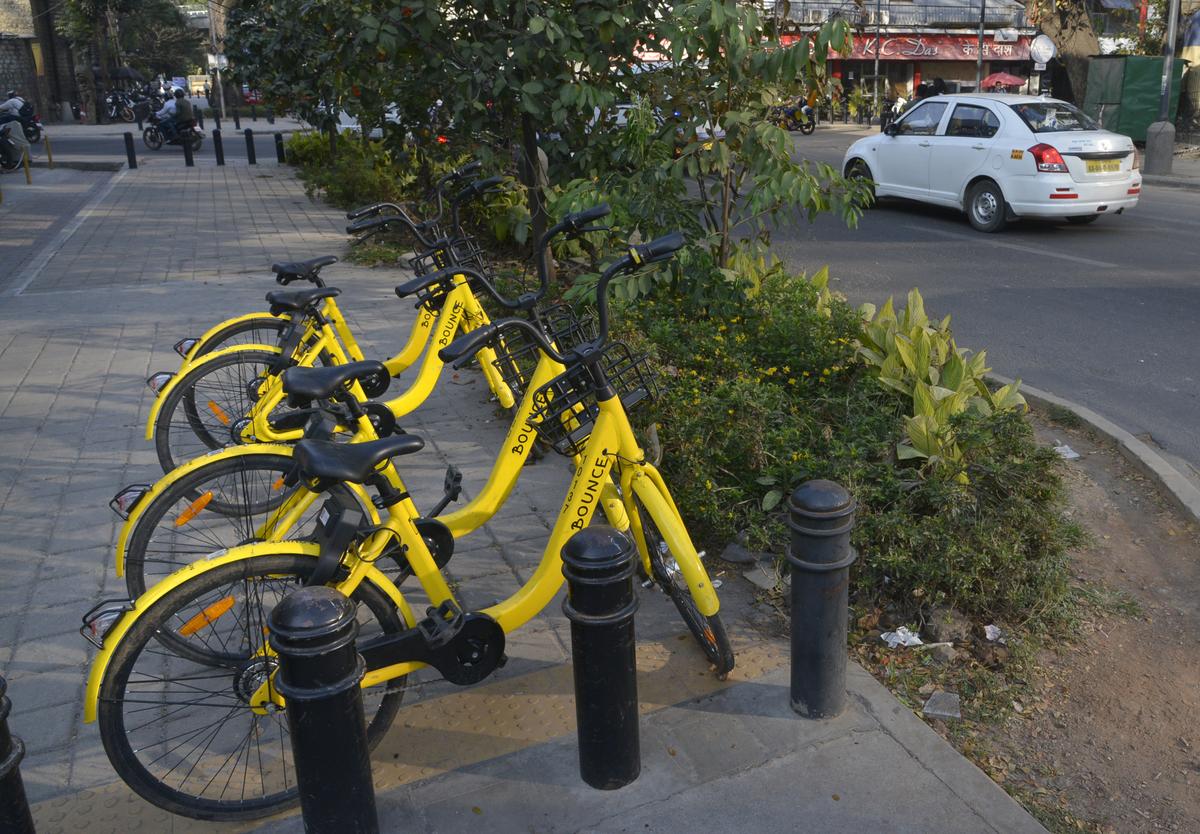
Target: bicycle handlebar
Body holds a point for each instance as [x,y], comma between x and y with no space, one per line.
[476,188]
[461,350]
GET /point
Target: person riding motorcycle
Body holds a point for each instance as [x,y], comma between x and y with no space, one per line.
[175,115]
[14,109]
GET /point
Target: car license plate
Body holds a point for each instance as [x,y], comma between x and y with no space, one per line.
[1103,166]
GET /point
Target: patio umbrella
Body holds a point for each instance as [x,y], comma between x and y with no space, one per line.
[128,74]
[1002,79]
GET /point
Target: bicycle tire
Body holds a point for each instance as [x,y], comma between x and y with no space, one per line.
[262,330]
[171,721]
[184,430]
[214,507]
[708,631]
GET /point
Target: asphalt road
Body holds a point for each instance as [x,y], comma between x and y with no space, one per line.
[1107,315]
[113,147]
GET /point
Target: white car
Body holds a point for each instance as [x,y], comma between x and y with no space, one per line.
[997,157]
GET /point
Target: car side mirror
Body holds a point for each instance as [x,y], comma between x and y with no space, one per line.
[892,129]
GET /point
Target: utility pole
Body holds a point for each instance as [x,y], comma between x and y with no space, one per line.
[1160,136]
[979,47]
[212,34]
[877,20]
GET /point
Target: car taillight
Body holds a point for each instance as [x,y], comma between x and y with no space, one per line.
[1048,159]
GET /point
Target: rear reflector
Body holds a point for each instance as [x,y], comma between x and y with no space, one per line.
[1137,190]
[1064,196]
[158,381]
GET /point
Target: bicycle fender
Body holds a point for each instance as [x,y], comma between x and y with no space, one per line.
[112,640]
[156,406]
[217,328]
[162,484]
[676,536]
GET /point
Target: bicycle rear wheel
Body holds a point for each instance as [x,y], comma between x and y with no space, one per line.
[205,409]
[181,733]
[217,506]
[260,330]
[664,570]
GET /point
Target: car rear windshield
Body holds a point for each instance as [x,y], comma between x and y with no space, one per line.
[1053,117]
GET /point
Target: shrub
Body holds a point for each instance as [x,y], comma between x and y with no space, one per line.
[771,392]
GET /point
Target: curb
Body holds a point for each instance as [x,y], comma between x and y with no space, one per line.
[80,165]
[1170,181]
[1183,492]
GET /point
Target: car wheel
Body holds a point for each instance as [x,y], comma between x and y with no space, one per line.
[985,207]
[858,170]
[1081,219]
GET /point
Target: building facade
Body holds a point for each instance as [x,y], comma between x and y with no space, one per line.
[34,59]
[919,41]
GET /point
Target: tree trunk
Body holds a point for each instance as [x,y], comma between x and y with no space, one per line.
[535,179]
[1070,27]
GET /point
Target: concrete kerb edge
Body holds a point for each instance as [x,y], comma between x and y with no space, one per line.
[964,779]
[1171,181]
[1182,491]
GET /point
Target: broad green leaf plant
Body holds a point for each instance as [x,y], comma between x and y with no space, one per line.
[919,358]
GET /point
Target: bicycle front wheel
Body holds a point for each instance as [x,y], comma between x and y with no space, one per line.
[206,408]
[664,570]
[181,732]
[228,502]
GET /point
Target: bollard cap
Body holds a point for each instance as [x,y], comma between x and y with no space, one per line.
[598,550]
[316,613]
[821,499]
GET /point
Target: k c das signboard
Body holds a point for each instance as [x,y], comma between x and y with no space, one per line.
[931,48]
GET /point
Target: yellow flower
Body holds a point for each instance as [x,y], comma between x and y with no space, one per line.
[708,484]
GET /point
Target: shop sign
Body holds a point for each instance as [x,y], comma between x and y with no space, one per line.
[932,48]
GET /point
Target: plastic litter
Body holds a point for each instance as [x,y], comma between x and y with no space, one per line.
[1066,452]
[900,637]
[994,633]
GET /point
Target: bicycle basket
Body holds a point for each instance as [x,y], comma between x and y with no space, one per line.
[566,405]
[462,252]
[518,354]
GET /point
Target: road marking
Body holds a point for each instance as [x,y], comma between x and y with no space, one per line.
[31,272]
[1020,247]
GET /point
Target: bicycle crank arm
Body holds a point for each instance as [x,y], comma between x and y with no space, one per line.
[464,647]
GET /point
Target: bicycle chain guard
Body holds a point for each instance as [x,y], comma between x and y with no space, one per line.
[464,647]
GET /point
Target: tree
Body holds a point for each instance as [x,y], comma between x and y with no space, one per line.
[1069,24]
[155,38]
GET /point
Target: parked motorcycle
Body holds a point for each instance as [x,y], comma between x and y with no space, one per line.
[10,151]
[118,106]
[154,138]
[795,117]
[31,122]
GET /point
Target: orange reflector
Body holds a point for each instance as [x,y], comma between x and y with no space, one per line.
[194,508]
[209,615]
[220,412]
[278,485]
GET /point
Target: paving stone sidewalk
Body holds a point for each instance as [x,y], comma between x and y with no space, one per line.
[73,358]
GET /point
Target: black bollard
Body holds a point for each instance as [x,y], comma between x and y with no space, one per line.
[598,563]
[254,112]
[237,122]
[270,115]
[216,119]
[200,117]
[141,126]
[189,158]
[218,146]
[250,157]
[280,155]
[821,517]
[129,151]
[15,817]
[313,631]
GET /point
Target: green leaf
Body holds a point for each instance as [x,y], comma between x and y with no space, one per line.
[771,500]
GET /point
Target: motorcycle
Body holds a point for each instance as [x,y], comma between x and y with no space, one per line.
[154,138]
[118,106]
[31,123]
[795,117]
[10,151]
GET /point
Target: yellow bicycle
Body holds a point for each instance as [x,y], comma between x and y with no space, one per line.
[183,683]
[232,395]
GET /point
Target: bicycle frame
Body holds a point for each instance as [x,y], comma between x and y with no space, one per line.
[461,311]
